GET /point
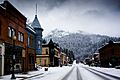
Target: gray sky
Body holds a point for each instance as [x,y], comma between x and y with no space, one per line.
[93,16]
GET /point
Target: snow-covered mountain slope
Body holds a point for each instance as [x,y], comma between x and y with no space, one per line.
[57,33]
[81,43]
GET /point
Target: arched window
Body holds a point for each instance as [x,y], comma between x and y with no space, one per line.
[38,44]
[9,32]
[20,36]
[13,32]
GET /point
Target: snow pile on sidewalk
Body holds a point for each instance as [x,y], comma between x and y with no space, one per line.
[30,74]
[111,71]
[22,76]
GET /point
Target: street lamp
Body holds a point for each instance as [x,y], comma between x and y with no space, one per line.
[13,58]
[67,60]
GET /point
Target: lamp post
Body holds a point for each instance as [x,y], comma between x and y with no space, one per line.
[13,58]
[67,60]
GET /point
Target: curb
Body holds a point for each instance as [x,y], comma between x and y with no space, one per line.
[30,76]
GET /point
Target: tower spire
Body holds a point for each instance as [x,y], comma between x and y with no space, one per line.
[36,9]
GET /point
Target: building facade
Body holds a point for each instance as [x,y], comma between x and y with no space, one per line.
[110,55]
[2,53]
[31,51]
[54,53]
[2,45]
[50,55]
[12,23]
[44,57]
[26,47]
[63,58]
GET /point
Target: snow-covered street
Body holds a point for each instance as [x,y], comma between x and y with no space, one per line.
[78,72]
[53,73]
[74,72]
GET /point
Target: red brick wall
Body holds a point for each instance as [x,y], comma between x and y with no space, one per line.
[13,18]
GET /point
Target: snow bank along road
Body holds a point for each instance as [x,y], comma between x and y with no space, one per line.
[75,72]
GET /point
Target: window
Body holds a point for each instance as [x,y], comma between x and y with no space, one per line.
[46,51]
[28,40]
[11,32]
[31,59]
[38,44]
[45,62]
[20,37]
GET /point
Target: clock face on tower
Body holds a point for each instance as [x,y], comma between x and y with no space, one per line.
[38,44]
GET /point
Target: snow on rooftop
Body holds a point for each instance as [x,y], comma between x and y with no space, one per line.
[96,53]
[31,28]
[2,7]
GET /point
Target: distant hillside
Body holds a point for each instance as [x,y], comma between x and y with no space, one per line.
[81,43]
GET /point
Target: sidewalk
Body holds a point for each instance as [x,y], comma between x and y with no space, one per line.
[23,76]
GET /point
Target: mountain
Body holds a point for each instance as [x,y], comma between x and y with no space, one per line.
[81,43]
[57,33]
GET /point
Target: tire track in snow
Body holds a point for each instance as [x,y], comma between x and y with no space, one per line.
[102,75]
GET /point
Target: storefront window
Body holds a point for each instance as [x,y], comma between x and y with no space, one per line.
[31,59]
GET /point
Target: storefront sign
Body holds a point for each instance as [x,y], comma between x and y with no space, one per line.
[23,53]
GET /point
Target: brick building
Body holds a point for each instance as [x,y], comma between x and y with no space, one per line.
[110,55]
[31,51]
[13,23]
[2,45]
[28,41]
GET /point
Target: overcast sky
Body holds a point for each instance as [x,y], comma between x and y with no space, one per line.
[93,16]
